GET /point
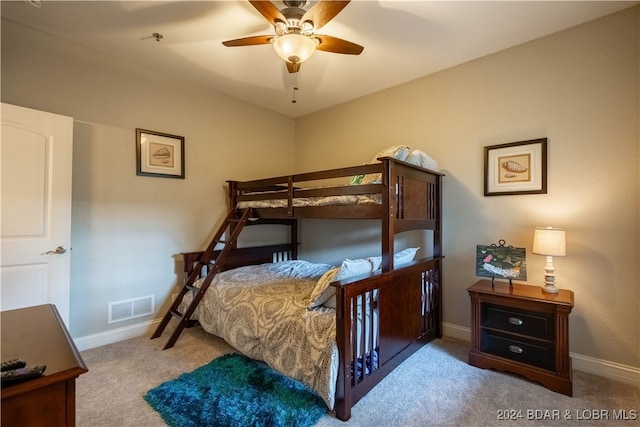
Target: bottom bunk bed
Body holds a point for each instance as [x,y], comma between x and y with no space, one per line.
[340,330]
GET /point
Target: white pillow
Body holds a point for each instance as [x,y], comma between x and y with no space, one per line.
[401,258]
[422,159]
[354,267]
[322,291]
[398,152]
[331,302]
[376,262]
[405,256]
[325,295]
[350,267]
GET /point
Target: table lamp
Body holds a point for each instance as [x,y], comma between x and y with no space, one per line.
[550,242]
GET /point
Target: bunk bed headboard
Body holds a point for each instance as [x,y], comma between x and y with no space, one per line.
[412,198]
[242,256]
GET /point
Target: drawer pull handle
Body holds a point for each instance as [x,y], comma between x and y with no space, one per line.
[515,349]
[515,321]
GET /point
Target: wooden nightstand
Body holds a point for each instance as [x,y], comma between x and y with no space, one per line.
[522,330]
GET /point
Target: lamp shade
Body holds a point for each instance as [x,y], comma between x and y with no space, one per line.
[549,241]
[294,48]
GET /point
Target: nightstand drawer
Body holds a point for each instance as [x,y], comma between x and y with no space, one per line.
[518,320]
[532,352]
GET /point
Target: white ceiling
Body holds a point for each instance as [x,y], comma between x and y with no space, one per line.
[402,40]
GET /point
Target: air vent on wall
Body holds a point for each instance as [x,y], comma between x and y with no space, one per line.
[132,308]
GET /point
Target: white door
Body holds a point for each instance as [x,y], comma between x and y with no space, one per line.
[35,225]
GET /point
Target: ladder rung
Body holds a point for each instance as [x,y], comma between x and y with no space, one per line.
[212,267]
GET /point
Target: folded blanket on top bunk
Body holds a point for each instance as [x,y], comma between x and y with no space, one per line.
[399,152]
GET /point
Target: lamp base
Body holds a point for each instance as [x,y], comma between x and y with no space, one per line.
[549,277]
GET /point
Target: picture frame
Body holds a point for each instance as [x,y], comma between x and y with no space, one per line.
[516,168]
[500,261]
[159,154]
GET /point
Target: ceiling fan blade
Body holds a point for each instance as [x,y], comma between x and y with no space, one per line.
[323,12]
[336,45]
[269,11]
[248,41]
[293,67]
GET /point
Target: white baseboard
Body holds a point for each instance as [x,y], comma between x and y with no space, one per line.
[455,331]
[115,335]
[615,371]
[604,368]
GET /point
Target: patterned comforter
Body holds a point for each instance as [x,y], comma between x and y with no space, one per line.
[262,312]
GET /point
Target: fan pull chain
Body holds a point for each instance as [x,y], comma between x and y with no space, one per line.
[295,88]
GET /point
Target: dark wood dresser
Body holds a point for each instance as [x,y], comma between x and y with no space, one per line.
[523,330]
[38,336]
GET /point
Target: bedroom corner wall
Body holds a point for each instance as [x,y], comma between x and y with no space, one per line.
[128,230]
[579,88]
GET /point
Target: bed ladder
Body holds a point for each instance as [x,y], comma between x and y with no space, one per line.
[234,222]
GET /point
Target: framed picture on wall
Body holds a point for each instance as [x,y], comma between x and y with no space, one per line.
[159,154]
[516,168]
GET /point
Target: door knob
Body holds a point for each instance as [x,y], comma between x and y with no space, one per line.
[58,251]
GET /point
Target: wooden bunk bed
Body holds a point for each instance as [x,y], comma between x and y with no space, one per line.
[404,303]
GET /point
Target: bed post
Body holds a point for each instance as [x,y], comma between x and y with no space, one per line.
[343,398]
[437,232]
[437,252]
[294,238]
[233,194]
[388,220]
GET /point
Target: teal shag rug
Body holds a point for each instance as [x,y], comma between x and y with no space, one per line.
[234,390]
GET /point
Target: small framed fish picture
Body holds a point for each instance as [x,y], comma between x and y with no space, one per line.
[159,154]
[501,261]
[516,168]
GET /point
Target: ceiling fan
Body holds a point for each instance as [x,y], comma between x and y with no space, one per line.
[295,39]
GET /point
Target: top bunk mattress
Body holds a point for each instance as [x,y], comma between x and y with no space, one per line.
[298,202]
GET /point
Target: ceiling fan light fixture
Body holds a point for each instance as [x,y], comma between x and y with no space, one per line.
[294,47]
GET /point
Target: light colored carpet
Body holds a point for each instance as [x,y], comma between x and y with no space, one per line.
[434,387]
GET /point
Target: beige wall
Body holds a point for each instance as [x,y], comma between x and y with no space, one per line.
[127,229]
[578,88]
